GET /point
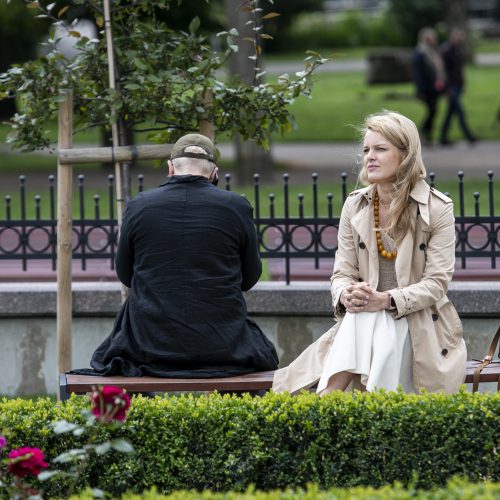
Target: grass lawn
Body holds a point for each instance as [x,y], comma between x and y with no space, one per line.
[341,100]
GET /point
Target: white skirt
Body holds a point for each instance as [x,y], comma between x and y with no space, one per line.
[375,346]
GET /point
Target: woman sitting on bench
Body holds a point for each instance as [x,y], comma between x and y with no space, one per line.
[395,259]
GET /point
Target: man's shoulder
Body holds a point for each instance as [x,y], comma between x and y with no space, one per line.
[230,197]
[145,197]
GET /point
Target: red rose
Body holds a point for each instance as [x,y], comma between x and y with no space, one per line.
[26,460]
[110,403]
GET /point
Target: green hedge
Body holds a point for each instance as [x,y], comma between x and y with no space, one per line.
[278,441]
[457,489]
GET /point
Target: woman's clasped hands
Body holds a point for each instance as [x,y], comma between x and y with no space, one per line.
[361,297]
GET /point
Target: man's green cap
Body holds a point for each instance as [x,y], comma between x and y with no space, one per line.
[179,148]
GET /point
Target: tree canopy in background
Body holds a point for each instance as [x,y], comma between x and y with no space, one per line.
[411,15]
[20,33]
[163,74]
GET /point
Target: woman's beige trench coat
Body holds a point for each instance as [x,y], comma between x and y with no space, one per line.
[424,268]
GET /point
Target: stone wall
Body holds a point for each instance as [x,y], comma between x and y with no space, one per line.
[292,316]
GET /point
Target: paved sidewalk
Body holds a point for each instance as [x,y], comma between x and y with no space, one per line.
[339,64]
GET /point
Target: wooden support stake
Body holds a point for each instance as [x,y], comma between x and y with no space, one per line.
[205,126]
[64,236]
[114,124]
[121,154]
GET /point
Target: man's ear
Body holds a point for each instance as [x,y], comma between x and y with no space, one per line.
[170,167]
[213,175]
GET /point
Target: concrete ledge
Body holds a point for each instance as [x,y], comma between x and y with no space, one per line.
[102,299]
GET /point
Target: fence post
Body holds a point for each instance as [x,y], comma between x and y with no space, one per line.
[64,234]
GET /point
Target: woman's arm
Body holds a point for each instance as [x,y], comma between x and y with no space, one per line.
[346,267]
[439,268]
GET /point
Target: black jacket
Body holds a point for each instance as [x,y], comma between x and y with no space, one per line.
[187,250]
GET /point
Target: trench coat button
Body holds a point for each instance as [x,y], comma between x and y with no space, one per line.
[422,246]
[362,245]
[444,352]
[435,317]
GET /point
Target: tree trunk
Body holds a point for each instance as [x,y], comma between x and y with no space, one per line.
[249,157]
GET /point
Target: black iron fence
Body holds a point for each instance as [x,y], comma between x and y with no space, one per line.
[285,239]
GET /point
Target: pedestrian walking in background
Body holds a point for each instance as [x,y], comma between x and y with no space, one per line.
[453,54]
[429,78]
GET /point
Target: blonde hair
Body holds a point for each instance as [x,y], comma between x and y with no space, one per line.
[402,133]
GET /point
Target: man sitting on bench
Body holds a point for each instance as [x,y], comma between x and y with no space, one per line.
[187,250]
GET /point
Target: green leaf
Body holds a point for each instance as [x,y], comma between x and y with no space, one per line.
[140,64]
[133,86]
[270,15]
[122,445]
[62,11]
[103,448]
[63,426]
[194,25]
[47,474]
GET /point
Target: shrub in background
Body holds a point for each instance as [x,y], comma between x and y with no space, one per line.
[279,441]
[321,31]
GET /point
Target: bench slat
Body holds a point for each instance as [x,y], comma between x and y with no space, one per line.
[81,384]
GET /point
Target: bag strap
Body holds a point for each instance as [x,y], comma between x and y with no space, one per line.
[486,361]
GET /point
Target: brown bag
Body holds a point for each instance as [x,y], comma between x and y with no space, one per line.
[487,361]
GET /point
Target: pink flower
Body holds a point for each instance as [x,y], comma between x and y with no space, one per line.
[110,403]
[3,442]
[26,460]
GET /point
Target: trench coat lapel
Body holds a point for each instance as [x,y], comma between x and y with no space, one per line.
[362,222]
[419,204]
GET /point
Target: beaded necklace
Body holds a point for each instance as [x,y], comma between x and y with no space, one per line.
[382,251]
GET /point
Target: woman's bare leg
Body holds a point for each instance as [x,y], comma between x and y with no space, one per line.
[337,382]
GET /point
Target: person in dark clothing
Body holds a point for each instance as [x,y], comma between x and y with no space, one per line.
[187,251]
[453,53]
[428,76]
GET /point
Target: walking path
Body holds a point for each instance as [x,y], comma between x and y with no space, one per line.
[340,65]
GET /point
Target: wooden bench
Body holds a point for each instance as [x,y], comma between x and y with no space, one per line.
[258,381]
[81,384]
